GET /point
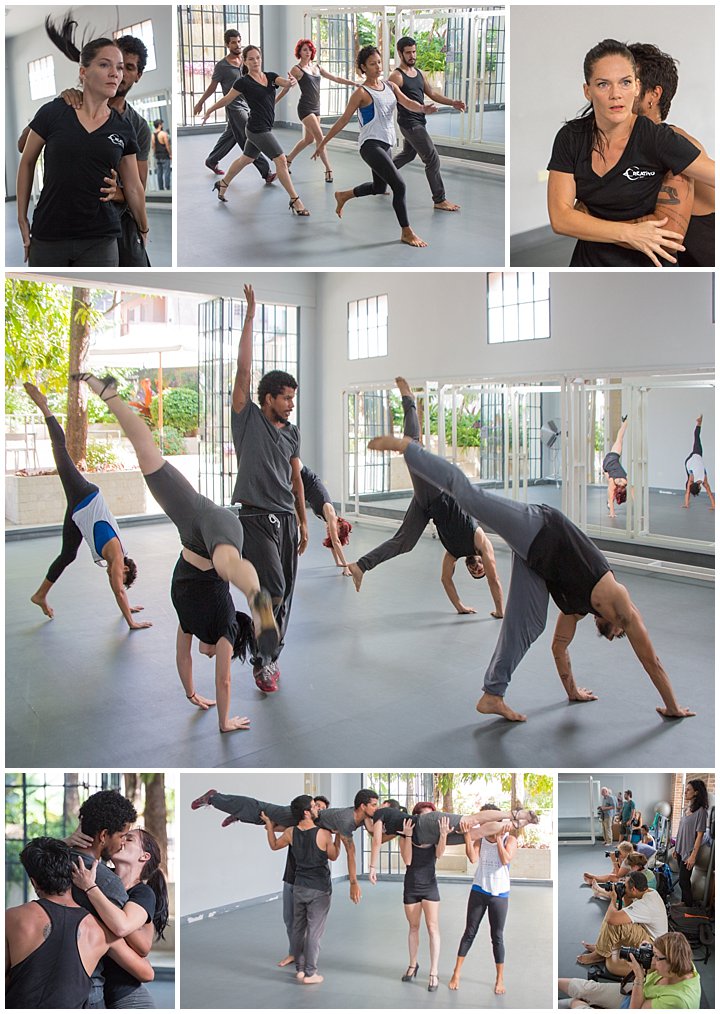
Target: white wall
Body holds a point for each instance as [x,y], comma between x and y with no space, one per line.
[671,422]
[221,866]
[547,48]
[31,45]
[648,788]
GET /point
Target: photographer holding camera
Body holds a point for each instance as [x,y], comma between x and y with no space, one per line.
[635,861]
[618,858]
[643,918]
[669,980]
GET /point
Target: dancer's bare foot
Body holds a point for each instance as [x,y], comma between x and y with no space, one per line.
[411,238]
[589,959]
[310,980]
[454,982]
[233,724]
[341,199]
[499,986]
[299,975]
[37,396]
[41,601]
[491,704]
[389,443]
[356,574]
[403,387]
[588,947]
[286,961]
[447,206]
[200,702]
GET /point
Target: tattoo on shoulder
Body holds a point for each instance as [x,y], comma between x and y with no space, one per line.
[668,195]
[47,930]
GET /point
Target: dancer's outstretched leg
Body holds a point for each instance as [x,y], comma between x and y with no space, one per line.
[618,445]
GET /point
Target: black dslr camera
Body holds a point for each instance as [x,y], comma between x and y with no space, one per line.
[642,954]
[619,886]
[613,852]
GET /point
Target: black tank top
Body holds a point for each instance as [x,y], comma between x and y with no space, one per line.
[161,151]
[420,875]
[414,88]
[568,561]
[455,528]
[53,975]
[312,868]
[392,819]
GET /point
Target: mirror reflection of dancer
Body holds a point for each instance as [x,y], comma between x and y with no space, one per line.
[320,503]
[87,517]
[616,474]
[211,560]
[375,102]
[490,893]
[695,471]
[421,896]
[551,556]
[413,85]
[258,89]
[308,75]
[459,534]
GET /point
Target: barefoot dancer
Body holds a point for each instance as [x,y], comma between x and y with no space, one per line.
[551,556]
[210,560]
[616,474]
[695,469]
[490,893]
[87,517]
[320,503]
[460,534]
[375,102]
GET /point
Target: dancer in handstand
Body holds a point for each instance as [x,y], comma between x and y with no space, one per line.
[616,474]
[87,517]
[551,556]
[695,470]
[211,560]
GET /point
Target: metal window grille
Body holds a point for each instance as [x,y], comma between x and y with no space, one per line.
[143,30]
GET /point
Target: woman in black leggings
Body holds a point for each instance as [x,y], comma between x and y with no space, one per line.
[375,102]
[211,560]
[87,516]
[490,893]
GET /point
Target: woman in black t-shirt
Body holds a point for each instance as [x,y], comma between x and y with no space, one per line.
[615,163]
[258,89]
[73,223]
[144,914]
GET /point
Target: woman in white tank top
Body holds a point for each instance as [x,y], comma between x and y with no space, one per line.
[375,102]
[695,470]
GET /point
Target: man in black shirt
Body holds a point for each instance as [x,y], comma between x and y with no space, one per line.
[411,82]
[551,557]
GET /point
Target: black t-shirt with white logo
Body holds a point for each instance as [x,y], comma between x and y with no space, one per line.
[261,99]
[76,164]
[629,190]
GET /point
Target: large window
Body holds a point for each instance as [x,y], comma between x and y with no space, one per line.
[201,45]
[367,327]
[41,75]
[518,306]
[143,30]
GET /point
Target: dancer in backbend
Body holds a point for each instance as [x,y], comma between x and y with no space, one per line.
[490,893]
[87,517]
[320,503]
[460,534]
[695,471]
[308,76]
[258,88]
[551,556]
[616,474]
[421,896]
[211,560]
[375,102]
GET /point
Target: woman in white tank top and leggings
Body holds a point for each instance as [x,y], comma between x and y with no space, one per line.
[490,893]
[375,101]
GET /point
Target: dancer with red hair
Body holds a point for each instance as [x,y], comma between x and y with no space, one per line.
[320,503]
[614,471]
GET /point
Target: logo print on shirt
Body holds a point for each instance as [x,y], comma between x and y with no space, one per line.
[634,173]
[116,139]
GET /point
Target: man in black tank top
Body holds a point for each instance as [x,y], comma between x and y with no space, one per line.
[313,848]
[411,82]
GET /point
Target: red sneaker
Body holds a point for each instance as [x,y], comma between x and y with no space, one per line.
[229,820]
[267,678]
[215,168]
[203,800]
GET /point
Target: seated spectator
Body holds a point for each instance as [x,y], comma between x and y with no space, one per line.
[643,918]
[635,861]
[672,981]
[619,869]
[646,846]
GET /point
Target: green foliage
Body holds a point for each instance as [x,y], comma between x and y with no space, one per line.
[366,32]
[97,410]
[538,792]
[172,440]
[431,51]
[101,457]
[599,438]
[37,324]
[180,410]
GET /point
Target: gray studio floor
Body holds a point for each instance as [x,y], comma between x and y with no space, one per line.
[256,228]
[358,671]
[580,916]
[230,960]
[543,249]
[159,247]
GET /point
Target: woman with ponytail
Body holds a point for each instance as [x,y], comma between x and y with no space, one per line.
[75,223]
[143,918]
[620,183]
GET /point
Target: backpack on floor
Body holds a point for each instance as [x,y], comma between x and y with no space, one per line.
[664,880]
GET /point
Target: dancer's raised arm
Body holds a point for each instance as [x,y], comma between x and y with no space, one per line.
[243,374]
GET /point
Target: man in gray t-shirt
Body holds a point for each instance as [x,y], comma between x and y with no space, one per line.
[269,485]
[225,73]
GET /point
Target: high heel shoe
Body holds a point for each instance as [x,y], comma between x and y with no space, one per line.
[328,176]
[303,212]
[433,983]
[217,185]
[288,163]
[108,381]
[411,973]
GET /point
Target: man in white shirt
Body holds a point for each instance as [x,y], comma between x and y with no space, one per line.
[643,917]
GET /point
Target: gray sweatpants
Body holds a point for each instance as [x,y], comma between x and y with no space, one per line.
[518,524]
[311,912]
[235,133]
[419,142]
[289,912]
[247,809]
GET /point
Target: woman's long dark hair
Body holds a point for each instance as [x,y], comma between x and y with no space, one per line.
[245,637]
[585,120]
[154,877]
[63,36]
[700,798]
